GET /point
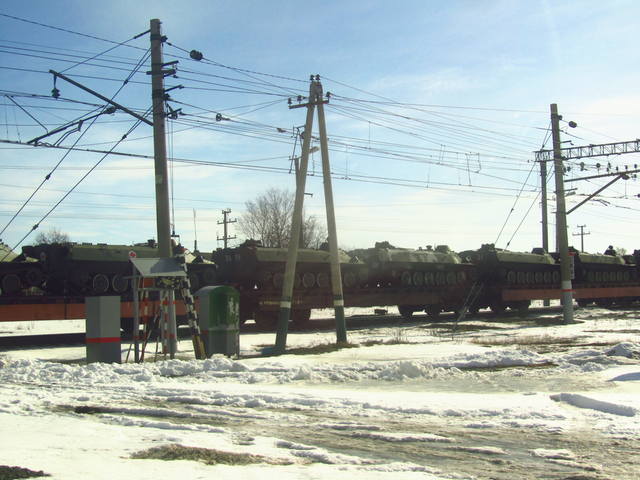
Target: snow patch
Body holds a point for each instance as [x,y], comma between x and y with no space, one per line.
[403,437]
[581,401]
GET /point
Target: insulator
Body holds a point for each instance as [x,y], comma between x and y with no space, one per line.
[289,101]
[196,55]
[582,169]
[55,93]
[218,117]
[299,98]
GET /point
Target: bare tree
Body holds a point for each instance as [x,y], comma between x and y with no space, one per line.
[268,219]
[53,235]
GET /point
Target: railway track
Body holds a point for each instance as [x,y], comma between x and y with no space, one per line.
[15,342]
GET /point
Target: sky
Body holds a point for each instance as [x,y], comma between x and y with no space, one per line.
[435,113]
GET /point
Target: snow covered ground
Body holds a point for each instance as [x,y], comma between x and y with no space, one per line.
[523,398]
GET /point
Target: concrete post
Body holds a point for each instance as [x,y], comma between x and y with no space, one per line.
[103,329]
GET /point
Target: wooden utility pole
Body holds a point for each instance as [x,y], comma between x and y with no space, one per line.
[161,175]
[561,220]
[225,238]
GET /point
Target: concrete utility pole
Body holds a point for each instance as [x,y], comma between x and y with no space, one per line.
[161,175]
[159,141]
[315,100]
[581,234]
[225,222]
[336,276]
[296,225]
[561,220]
[545,218]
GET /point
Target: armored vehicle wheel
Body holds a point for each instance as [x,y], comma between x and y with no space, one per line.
[100,283]
[308,279]
[278,279]
[323,280]
[428,279]
[33,277]
[119,283]
[10,284]
[349,279]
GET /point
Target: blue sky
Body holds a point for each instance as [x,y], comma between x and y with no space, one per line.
[437,110]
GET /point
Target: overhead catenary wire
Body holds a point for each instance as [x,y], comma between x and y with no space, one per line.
[69,191]
[65,155]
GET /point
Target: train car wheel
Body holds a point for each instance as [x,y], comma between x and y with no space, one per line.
[266,320]
[433,311]
[546,277]
[537,277]
[300,318]
[406,311]
[418,279]
[461,277]
[511,276]
[11,284]
[440,278]
[100,283]
[520,278]
[497,307]
[555,277]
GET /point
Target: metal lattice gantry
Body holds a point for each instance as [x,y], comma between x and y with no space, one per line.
[601,150]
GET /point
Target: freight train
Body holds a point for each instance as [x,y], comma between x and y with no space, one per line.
[432,280]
